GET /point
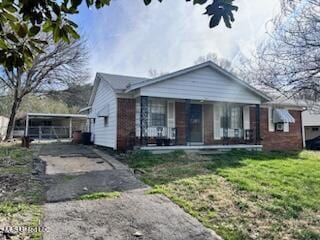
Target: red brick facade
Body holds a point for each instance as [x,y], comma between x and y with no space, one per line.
[276,140]
[181,123]
[208,123]
[126,118]
[291,140]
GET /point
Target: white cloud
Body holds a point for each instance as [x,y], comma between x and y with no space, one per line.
[131,38]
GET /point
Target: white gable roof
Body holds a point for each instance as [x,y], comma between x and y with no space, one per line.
[126,84]
[213,66]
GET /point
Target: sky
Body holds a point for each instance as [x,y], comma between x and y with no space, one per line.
[130,38]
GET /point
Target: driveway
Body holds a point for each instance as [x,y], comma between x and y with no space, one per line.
[134,215]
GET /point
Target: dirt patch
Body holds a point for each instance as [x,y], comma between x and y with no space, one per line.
[21,192]
[58,164]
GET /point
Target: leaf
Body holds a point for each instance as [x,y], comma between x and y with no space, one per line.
[75,3]
[11,8]
[22,30]
[34,30]
[199,1]
[34,46]
[56,34]
[56,8]
[39,41]
[47,26]
[10,17]
[89,3]
[64,34]
[70,30]
[3,44]
[147,2]
[221,9]
[12,37]
[27,53]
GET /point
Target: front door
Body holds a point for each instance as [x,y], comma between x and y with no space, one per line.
[196,123]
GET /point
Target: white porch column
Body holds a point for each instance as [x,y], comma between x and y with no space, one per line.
[27,126]
[70,128]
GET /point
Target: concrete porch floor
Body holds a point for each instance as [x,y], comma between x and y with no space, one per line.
[197,148]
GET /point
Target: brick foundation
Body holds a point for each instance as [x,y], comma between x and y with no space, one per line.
[126,118]
[291,140]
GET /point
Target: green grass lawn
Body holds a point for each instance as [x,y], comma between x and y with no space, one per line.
[21,192]
[241,195]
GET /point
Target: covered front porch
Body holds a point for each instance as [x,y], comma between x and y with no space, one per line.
[188,124]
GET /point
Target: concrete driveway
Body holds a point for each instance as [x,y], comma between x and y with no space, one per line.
[134,215]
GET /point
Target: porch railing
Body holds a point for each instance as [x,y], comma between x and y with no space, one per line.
[45,132]
[169,136]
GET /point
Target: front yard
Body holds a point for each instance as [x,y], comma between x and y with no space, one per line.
[21,193]
[241,195]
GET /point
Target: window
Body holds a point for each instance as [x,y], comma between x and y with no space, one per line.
[279,127]
[158,113]
[315,129]
[105,121]
[231,116]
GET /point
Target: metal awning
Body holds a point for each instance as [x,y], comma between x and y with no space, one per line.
[104,112]
[282,116]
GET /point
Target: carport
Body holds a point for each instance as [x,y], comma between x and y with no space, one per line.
[50,125]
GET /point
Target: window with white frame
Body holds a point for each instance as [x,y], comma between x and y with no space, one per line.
[231,116]
[158,113]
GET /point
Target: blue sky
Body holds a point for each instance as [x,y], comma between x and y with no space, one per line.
[130,38]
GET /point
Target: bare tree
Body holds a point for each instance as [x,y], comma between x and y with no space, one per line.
[58,66]
[224,63]
[289,61]
[153,73]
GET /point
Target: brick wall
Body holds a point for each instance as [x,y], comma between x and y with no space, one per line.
[181,122]
[126,117]
[291,140]
[208,123]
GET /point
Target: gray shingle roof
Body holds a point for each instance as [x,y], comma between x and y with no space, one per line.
[119,82]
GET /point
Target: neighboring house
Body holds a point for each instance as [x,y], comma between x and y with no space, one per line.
[311,125]
[202,106]
[3,127]
[49,125]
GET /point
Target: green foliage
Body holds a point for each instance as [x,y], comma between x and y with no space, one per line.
[21,23]
[75,97]
[40,104]
[241,194]
[99,195]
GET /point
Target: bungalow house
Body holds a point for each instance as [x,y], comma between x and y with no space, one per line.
[200,107]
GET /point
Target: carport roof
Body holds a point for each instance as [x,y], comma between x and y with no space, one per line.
[53,115]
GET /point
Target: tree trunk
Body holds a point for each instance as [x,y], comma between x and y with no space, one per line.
[12,119]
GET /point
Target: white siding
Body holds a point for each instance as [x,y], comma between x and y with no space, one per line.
[105,135]
[310,119]
[202,84]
